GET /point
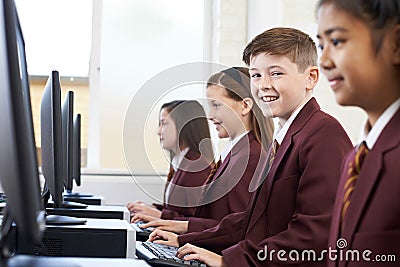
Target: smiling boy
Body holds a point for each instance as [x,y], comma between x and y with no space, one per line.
[291,210]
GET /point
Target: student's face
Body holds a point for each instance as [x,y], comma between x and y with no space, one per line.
[357,74]
[277,86]
[224,112]
[167,131]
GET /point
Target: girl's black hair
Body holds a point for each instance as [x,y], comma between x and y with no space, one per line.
[375,13]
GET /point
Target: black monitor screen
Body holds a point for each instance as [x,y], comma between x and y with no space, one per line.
[76,160]
[55,156]
[76,173]
[18,161]
[51,136]
[68,139]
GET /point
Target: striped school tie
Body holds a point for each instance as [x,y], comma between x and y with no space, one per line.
[353,173]
[274,149]
[214,170]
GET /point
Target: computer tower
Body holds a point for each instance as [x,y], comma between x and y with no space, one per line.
[101,238]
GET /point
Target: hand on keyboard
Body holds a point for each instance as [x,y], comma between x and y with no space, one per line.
[143,208]
[144,229]
[168,255]
[137,217]
[164,238]
[190,252]
[178,227]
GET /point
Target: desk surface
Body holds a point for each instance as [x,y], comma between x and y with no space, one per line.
[98,224]
[36,261]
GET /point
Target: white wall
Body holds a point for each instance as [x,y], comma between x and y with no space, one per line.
[119,189]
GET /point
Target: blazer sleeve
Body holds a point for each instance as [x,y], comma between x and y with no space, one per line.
[158,206]
[219,237]
[200,224]
[169,214]
[238,198]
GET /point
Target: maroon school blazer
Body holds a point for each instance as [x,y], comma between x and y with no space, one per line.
[373,216]
[186,189]
[292,208]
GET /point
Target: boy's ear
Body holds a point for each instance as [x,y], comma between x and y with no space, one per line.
[396,56]
[313,76]
[247,105]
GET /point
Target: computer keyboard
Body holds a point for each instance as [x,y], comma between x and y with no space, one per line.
[161,255]
[142,234]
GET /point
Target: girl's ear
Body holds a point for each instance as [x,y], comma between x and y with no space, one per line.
[396,56]
[247,105]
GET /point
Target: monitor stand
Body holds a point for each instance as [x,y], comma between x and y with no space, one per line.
[60,219]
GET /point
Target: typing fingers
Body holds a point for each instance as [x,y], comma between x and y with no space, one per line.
[191,252]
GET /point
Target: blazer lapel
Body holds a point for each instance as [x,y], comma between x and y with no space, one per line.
[222,168]
[245,141]
[263,196]
[369,175]
[170,187]
[243,144]
[337,208]
[365,183]
[261,201]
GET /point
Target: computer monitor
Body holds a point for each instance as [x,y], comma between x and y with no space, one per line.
[18,162]
[68,139]
[76,166]
[53,149]
[51,139]
[76,161]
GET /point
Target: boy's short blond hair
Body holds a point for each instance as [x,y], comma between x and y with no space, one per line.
[298,46]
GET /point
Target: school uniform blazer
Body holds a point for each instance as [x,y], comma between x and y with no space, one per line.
[230,186]
[292,208]
[186,186]
[373,216]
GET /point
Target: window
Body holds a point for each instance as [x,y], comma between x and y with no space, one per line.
[133,39]
[139,40]
[57,35]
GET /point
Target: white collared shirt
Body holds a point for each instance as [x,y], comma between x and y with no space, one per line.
[232,143]
[372,136]
[283,126]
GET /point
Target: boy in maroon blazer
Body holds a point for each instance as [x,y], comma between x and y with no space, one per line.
[363,69]
[291,209]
